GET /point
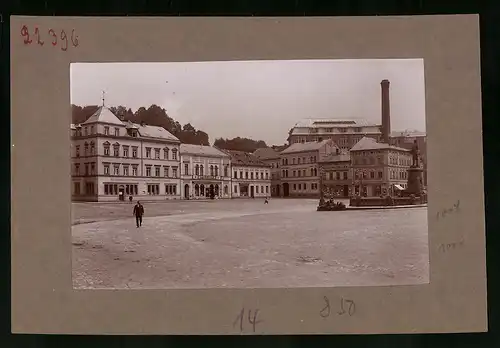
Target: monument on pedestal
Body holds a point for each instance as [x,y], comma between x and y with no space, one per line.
[415,185]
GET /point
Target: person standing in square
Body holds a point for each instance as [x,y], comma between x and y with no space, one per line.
[138,212]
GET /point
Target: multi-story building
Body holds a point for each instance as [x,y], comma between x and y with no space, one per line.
[299,167]
[378,168]
[271,157]
[345,133]
[337,174]
[204,169]
[251,177]
[113,160]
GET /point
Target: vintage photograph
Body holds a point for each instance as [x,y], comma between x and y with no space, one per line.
[249,174]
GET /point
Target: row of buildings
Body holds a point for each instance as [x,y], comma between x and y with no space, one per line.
[355,157]
[113,159]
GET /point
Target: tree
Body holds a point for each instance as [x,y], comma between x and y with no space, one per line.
[240,144]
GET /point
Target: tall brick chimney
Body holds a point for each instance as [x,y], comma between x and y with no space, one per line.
[386,111]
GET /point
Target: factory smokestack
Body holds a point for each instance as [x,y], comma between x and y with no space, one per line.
[386,111]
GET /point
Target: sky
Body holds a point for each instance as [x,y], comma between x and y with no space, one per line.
[260,100]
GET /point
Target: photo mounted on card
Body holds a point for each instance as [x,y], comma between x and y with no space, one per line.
[300,183]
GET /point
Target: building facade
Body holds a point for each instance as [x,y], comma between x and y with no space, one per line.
[407,139]
[114,160]
[271,157]
[205,170]
[378,169]
[345,133]
[251,177]
[337,175]
[299,167]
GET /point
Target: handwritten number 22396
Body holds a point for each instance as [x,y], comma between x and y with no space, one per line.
[25,33]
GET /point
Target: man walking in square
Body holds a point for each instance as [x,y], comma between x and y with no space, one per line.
[138,212]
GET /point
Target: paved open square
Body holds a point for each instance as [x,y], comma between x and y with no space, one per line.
[246,243]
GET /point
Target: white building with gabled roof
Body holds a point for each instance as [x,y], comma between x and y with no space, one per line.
[113,160]
[204,170]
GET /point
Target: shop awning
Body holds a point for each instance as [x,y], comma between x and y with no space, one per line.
[399,187]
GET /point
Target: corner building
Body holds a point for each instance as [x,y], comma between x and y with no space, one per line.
[113,160]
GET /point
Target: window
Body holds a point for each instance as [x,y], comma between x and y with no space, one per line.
[106,130]
[241,174]
[246,175]
[303,172]
[116,169]
[91,129]
[235,189]
[226,170]
[148,170]
[235,175]
[337,175]
[251,175]
[106,149]
[286,173]
[216,168]
[86,169]
[267,175]
[77,188]
[125,170]
[106,169]
[372,175]
[186,169]
[226,189]
[134,152]
[293,160]
[174,172]
[148,152]
[134,171]
[294,173]
[345,175]
[125,151]
[174,154]
[92,148]
[116,150]
[117,132]
[267,189]
[85,149]
[157,153]
[92,168]
[170,189]
[256,189]
[77,149]
[165,171]
[201,170]
[380,175]
[153,189]
[294,186]
[212,170]
[262,176]
[157,170]
[165,153]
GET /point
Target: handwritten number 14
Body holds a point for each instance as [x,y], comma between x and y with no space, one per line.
[252,319]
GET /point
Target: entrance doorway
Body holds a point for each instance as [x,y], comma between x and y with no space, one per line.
[186,191]
[252,188]
[346,191]
[286,189]
[121,193]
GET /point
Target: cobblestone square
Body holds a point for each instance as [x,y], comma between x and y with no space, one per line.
[246,243]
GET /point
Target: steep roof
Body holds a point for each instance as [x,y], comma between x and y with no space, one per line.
[154,132]
[332,122]
[343,157]
[266,153]
[304,147]
[367,143]
[245,159]
[104,115]
[201,150]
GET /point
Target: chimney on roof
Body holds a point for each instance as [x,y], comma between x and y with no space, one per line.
[386,111]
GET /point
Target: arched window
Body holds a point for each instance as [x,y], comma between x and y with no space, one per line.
[201,170]
[212,170]
[165,153]
[216,168]
[197,169]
